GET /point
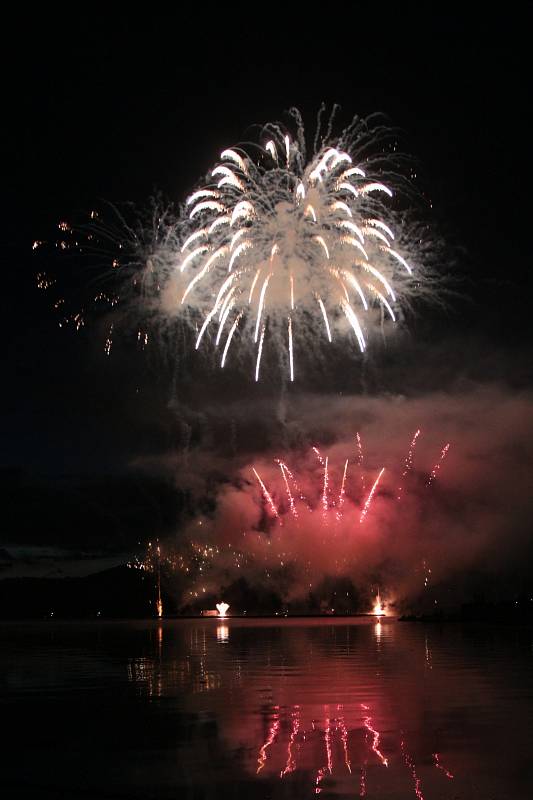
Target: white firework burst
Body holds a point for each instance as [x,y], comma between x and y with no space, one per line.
[274,240]
[276,250]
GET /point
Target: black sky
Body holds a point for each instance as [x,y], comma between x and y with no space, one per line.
[102,105]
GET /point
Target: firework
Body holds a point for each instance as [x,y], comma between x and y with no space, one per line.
[357,492]
[408,465]
[286,474]
[371,493]
[266,493]
[305,524]
[342,492]
[274,238]
[360,458]
[378,609]
[222,609]
[436,468]
[279,242]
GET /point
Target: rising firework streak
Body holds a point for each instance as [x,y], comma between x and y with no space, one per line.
[332,497]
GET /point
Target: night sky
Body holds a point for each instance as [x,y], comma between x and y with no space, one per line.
[101,108]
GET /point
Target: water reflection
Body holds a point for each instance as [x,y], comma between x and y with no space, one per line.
[342,751]
[222,633]
[342,709]
[370,708]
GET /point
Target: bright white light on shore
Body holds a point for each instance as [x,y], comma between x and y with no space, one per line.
[222,608]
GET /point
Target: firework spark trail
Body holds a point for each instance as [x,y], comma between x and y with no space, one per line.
[316,451]
[259,353]
[427,572]
[285,472]
[325,315]
[438,465]
[267,495]
[440,766]
[368,502]
[291,762]
[417,785]
[272,733]
[296,487]
[323,498]
[291,355]
[342,492]
[367,722]
[408,465]
[228,340]
[360,459]
[325,489]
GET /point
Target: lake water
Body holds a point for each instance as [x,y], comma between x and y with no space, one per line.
[264,709]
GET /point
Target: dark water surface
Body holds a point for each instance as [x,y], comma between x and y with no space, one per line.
[266,709]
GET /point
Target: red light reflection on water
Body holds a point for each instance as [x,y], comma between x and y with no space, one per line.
[291,763]
[440,766]
[346,740]
[409,763]
[367,721]
[272,734]
[329,740]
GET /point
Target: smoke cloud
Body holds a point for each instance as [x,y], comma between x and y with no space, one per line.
[466,533]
